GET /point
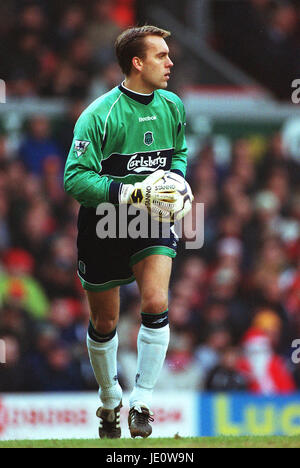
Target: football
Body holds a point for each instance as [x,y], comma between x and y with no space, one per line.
[184,202]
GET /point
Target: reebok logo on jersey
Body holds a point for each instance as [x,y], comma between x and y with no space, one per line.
[138,163]
[146,119]
[80,147]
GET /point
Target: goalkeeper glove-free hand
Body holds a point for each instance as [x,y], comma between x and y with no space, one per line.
[154,194]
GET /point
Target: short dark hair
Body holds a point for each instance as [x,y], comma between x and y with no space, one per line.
[131,44]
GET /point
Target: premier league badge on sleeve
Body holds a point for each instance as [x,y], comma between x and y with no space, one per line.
[148,138]
[81,147]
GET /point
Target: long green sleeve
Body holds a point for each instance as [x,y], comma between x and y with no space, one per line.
[179,161]
[81,179]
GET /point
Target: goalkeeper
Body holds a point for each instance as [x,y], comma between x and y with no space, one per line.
[123,142]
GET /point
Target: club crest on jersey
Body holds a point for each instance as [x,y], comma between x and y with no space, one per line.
[80,147]
[148,138]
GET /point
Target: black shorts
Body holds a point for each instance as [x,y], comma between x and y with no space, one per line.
[106,263]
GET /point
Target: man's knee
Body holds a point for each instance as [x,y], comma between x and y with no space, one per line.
[103,324]
[155,303]
[104,308]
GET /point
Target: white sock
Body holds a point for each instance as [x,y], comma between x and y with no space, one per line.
[152,348]
[103,357]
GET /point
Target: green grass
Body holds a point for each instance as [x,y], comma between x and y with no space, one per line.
[176,442]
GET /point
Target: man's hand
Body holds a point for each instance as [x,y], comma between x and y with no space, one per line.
[154,194]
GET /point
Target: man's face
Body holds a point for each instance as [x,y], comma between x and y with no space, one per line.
[156,66]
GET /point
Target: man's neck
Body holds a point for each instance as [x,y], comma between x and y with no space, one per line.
[139,97]
[137,87]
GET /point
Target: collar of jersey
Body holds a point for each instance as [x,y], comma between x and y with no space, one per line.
[141,98]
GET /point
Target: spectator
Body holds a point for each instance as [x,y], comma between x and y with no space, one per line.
[265,371]
[72,24]
[103,31]
[38,225]
[14,376]
[268,321]
[18,286]
[57,273]
[64,315]
[109,77]
[225,377]
[38,146]
[60,373]
[17,322]
[244,28]
[208,355]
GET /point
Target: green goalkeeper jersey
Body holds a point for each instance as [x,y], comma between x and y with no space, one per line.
[122,137]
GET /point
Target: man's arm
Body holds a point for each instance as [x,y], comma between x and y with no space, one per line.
[179,161]
[81,178]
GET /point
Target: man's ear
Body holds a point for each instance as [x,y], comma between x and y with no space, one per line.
[137,63]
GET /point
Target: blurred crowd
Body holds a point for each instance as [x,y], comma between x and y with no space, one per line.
[234,303]
[263,38]
[65,49]
[60,49]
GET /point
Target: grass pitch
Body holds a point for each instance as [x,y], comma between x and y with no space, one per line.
[176,443]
